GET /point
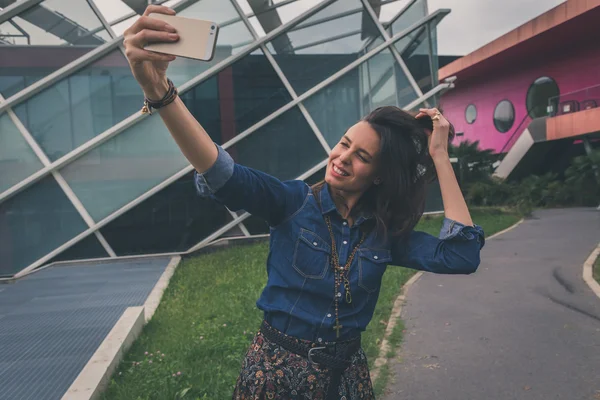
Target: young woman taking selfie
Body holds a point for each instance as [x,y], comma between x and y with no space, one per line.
[329,243]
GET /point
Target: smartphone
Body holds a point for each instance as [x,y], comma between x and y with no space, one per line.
[197,38]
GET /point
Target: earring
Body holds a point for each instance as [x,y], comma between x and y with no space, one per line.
[377,181]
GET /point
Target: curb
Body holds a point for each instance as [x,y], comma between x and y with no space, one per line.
[588,266]
[95,376]
[153,299]
[397,309]
[384,347]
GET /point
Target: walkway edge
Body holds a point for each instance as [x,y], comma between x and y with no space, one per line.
[394,317]
[397,311]
[95,376]
[153,300]
[588,267]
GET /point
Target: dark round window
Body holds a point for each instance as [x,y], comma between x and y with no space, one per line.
[504,116]
[471,113]
[538,95]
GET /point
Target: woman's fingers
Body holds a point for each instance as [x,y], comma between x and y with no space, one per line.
[135,54]
[158,9]
[146,36]
[432,112]
[145,22]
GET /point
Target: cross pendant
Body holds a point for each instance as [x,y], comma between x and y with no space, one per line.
[337,327]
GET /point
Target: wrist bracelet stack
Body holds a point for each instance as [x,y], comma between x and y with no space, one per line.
[166,100]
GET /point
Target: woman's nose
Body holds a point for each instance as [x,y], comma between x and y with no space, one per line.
[345,157]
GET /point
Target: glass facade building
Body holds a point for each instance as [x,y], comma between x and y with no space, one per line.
[83,174]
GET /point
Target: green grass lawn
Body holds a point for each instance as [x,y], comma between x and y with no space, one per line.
[194,345]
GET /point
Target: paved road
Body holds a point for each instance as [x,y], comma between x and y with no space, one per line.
[525,326]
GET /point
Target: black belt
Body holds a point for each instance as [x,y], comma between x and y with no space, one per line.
[335,356]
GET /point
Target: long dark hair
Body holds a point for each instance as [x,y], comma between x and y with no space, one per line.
[405,168]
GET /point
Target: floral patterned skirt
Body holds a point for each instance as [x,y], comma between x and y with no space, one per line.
[272,372]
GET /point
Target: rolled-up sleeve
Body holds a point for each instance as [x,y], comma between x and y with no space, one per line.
[213,179]
[456,250]
[242,188]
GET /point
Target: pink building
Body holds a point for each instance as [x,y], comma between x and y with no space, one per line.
[548,68]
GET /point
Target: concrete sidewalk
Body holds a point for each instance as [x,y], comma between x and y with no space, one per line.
[525,326]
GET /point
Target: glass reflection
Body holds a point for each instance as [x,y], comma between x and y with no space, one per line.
[324,43]
[44,38]
[17,159]
[174,219]
[144,155]
[88,247]
[33,223]
[279,150]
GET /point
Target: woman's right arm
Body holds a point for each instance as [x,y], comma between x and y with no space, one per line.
[149,68]
[236,186]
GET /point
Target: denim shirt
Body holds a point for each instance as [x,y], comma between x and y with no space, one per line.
[299,295]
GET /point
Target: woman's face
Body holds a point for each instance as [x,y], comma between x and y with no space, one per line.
[353,162]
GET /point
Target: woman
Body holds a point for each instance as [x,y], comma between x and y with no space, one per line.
[329,244]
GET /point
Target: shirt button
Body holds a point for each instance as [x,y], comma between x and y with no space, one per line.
[345,242]
[320,340]
[339,294]
[315,243]
[328,315]
[344,223]
[375,257]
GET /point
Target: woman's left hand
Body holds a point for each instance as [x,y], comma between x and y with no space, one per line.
[438,139]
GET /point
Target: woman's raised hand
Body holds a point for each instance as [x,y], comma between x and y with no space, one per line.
[149,68]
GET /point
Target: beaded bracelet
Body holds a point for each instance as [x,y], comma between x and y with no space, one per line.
[166,100]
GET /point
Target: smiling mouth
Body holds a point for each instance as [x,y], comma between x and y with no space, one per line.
[339,171]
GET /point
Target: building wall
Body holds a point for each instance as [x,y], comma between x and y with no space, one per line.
[122,186]
[572,70]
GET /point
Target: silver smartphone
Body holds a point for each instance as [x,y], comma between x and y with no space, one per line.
[197,38]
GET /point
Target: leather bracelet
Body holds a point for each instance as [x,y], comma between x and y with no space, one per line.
[167,99]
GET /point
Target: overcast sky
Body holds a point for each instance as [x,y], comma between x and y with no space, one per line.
[474,23]
[470,25]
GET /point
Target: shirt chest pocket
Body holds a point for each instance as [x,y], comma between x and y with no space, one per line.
[311,255]
[371,266]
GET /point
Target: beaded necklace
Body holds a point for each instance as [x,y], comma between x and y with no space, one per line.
[341,274]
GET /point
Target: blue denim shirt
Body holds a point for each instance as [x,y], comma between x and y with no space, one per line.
[298,298]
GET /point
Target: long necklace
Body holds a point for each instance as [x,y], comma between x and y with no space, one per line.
[340,274]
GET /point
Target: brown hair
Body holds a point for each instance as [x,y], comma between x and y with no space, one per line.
[406,168]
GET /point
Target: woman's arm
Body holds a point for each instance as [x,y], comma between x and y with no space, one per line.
[455,206]
[194,142]
[457,249]
[235,186]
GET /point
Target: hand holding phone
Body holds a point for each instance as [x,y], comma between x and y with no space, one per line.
[197,38]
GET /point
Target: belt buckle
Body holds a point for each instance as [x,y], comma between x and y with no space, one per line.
[313,349]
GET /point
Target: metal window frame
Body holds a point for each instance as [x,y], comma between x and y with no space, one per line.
[128,122]
[439,88]
[100,17]
[16,8]
[286,84]
[69,68]
[383,32]
[208,240]
[132,119]
[253,128]
[119,127]
[37,150]
[284,80]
